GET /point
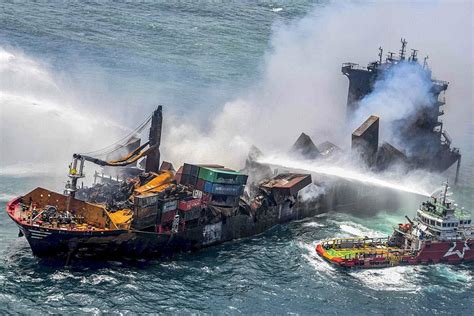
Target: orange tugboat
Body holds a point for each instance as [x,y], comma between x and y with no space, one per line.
[440,233]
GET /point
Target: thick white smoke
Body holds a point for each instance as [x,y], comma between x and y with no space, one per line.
[303,90]
[42,124]
[404,90]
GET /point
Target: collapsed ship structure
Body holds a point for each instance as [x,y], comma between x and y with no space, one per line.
[426,143]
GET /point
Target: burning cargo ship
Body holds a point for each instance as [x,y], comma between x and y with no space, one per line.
[159,211]
[440,233]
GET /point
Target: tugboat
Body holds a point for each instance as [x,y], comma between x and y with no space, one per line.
[441,232]
[157,211]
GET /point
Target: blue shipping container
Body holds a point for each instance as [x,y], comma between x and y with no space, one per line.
[223,189]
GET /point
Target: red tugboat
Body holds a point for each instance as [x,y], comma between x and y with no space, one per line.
[440,233]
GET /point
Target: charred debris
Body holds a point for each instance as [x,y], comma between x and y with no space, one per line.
[163,199]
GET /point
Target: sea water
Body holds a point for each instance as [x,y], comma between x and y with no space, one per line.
[118,60]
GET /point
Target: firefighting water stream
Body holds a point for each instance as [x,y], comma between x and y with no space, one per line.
[75,77]
[348,173]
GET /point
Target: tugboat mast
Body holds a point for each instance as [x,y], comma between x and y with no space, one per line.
[445,192]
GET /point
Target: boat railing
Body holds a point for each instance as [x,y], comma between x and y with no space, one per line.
[352,66]
[356,242]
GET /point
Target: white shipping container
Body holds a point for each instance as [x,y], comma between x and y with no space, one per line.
[170,206]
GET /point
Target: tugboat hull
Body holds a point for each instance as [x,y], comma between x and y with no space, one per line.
[455,252]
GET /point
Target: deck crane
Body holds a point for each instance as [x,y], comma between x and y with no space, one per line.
[150,150]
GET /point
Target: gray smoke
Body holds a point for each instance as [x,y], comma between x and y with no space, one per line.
[398,96]
[302,88]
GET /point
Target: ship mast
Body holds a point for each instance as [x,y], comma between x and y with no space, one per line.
[402,50]
[445,192]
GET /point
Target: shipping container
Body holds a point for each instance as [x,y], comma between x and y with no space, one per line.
[146,200]
[200,184]
[169,206]
[224,200]
[287,184]
[191,214]
[222,176]
[168,216]
[191,170]
[188,180]
[144,217]
[177,176]
[186,205]
[223,189]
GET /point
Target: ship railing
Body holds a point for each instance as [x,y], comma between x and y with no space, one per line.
[390,255]
[355,242]
[352,66]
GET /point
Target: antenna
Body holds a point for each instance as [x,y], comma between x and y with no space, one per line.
[390,56]
[413,55]
[402,51]
[425,63]
[445,191]
[380,55]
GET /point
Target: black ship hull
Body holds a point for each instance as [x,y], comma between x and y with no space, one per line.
[46,242]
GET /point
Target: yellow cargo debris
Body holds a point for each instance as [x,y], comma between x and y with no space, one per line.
[157,184]
[122,218]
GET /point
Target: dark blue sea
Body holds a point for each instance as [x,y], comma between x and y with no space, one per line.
[77,75]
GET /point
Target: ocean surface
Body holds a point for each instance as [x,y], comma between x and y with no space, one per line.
[121,59]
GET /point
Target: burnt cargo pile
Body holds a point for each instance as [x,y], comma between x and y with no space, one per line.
[201,194]
[158,210]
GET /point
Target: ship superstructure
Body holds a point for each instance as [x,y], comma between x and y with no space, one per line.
[426,143]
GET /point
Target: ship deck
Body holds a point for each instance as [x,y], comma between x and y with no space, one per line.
[337,250]
[349,253]
[84,217]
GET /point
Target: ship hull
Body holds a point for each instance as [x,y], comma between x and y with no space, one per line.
[51,242]
[449,252]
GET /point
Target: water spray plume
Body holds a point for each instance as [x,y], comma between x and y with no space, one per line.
[346,173]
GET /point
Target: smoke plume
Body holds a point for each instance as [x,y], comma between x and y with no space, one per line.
[302,88]
[403,91]
[42,123]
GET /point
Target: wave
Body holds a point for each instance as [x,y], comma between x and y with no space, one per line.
[359,230]
[389,279]
[312,224]
[5,197]
[310,255]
